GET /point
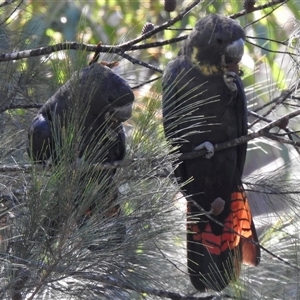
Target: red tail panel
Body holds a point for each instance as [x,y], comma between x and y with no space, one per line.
[214,260]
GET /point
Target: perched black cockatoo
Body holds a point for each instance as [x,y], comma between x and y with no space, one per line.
[104,99]
[95,101]
[204,104]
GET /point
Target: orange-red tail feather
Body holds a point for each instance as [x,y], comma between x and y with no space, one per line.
[215,260]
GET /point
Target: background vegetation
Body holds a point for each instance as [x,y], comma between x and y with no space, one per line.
[151,262]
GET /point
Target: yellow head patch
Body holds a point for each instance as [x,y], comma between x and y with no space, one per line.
[206,69]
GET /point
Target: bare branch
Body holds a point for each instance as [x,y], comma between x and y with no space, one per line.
[127,46]
[93,48]
[20,106]
[258,117]
[264,131]
[259,7]
[53,48]
[139,62]
[277,137]
[180,16]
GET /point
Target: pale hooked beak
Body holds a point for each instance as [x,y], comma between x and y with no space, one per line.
[122,113]
[235,51]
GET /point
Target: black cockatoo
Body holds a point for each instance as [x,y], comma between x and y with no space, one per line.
[95,101]
[203,104]
[105,100]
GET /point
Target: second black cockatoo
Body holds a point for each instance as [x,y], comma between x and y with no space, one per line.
[87,110]
[104,100]
[203,104]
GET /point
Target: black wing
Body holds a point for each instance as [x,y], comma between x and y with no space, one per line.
[40,139]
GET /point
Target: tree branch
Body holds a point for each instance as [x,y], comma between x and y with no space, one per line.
[139,62]
[180,16]
[89,48]
[259,7]
[275,102]
[20,106]
[277,136]
[271,51]
[100,48]
[285,43]
[264,131]
[127,46]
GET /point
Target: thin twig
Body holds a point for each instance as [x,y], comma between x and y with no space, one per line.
[257,116]
[139,62]
[285,43]
[159,43]
[272,51]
